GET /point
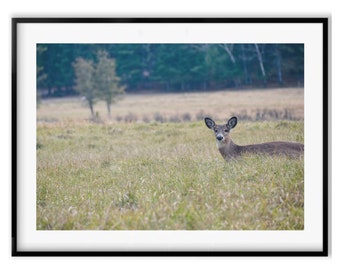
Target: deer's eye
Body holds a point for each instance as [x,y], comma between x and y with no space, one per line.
[216,130]
[226,130]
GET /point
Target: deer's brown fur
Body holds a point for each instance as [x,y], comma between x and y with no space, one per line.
[230,150]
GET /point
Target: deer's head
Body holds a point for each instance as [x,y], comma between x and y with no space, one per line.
[221,131]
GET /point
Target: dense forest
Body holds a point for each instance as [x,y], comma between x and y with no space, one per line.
[175,67]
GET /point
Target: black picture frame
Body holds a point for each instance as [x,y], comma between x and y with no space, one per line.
[16,129]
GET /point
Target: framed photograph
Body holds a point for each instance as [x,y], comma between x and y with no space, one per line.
[115,124]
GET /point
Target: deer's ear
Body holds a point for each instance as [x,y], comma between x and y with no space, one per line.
[209,122]
[232,122]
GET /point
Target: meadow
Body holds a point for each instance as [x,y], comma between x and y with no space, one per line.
[154,165]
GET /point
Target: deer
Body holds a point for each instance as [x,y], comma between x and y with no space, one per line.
[231,151]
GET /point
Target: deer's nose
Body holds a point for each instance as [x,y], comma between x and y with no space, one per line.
[219,137]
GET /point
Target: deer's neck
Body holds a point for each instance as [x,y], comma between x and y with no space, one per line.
[228,149]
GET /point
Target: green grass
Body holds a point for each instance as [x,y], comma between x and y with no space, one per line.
[170,176]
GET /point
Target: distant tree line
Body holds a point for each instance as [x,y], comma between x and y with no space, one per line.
[175,67]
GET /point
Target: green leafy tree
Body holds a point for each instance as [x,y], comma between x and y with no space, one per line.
[106,81]
[84,79]
[41,75]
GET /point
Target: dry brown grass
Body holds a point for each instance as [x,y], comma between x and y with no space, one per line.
[147,107]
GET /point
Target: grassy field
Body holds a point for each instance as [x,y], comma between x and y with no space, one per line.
[147,175]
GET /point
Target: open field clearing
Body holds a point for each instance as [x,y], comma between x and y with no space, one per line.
[115,175]
[275,104]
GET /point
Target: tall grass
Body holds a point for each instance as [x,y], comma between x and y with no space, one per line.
[164,176]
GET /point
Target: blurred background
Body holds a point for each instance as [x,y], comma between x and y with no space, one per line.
[175,67]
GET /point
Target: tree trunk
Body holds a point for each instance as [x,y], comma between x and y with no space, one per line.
[278,65]
[108,106]
[228,50]
[259,57]
[91,107]
[247,79]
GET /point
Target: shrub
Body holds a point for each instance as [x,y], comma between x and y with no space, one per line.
[130,117]
[159,117]
[186,117]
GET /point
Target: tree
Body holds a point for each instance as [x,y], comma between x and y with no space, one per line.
[106,81]
[260,59]
[41,75]
[84,73]
[175,67]
[228,48]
